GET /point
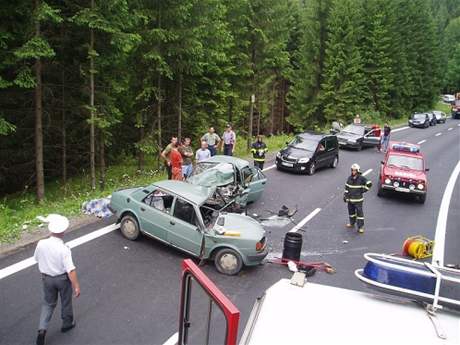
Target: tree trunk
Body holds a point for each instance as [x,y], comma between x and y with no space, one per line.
[272,115]
[40,176]
[159,100]
[141,155]
[64,134]
[230,110]
[91,104]
[251,116]
[102,160]
[179,108]
[283,104]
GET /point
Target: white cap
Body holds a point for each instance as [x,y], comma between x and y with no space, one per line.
[57,224]
[356,167]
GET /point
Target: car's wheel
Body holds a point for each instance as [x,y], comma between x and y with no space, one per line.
[130,227]
[427,125]
[335,162]
[422,198]
[311,168]
[411,125]
[228,261]
[380,191]
[360,147]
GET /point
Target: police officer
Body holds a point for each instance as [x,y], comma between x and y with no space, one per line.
[354,188]
[259,149]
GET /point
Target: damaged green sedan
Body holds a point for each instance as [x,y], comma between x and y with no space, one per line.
[187,217]
[231,178]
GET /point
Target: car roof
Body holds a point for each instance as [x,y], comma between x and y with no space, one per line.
[193,193]
[404,153]
[313,135]
[238,162]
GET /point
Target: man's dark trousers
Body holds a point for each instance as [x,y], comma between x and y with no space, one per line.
[355,212]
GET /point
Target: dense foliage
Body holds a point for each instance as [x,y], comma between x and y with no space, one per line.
[84,83]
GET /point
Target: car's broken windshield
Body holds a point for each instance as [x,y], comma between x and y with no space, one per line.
[209,174]
[413,163]
[358,130]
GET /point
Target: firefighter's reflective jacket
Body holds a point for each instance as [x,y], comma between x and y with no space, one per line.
[355,187]
[258,151]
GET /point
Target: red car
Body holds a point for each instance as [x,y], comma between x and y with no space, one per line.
[403,171]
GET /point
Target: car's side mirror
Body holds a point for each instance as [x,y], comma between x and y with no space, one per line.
[427,169]
[382,162]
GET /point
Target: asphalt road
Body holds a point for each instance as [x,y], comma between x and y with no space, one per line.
[130,290]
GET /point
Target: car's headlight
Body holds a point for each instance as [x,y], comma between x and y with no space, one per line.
[396,184]
[420,186]
[261,245]
[352,141]
[304,160]
[387,181]
[278,155]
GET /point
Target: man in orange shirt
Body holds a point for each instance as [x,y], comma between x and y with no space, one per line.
[176,164]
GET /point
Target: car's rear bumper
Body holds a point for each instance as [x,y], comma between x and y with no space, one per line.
[404,190]
[256,259]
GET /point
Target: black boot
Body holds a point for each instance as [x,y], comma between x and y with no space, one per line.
[41,337]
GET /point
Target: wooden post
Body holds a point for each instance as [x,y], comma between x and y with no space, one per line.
[251,117]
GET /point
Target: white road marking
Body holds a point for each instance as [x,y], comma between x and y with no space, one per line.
[305,220]
[173,340]
[270,167]
[438,134]
[441,224]
[450,128]
[458,124]
[367,172]
[22,265]
[399,129]
[421,142]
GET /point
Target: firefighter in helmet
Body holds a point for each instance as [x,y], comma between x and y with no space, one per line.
[259,149]
[354,188]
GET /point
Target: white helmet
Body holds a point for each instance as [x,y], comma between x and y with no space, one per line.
[356,167]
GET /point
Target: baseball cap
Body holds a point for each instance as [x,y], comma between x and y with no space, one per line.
[57,224]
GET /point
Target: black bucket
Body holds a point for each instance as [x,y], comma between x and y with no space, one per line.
[292,246]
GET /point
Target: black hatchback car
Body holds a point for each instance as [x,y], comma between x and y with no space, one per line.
[420,120]
[308,152]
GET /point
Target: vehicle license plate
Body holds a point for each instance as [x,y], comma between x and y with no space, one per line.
[287,164]
[404,190]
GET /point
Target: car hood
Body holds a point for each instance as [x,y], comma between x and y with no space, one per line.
[295,153]
[240,225]
[417,120]
[406,174]
[220,175]
[348,136]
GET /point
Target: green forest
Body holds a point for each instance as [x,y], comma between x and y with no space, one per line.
[86,84]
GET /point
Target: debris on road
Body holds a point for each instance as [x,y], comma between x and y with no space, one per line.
[309,268]
[298,279]
[344,241]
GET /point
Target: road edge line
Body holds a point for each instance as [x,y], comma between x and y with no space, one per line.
[26,263]
[441,223]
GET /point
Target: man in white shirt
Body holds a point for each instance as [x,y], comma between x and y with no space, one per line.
[203,153]
[59,276]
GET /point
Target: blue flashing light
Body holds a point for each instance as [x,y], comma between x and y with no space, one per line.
[404,147]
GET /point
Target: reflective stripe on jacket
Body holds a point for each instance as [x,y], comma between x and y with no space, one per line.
[258,150]
[355,187]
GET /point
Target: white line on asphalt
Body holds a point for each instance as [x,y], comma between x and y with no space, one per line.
[450,128]
[367,172]
[270,167]
[173,340]
[421,142]
[458,124]
[441,224]
[305,220]
[438,134]
[22,265]
[399,129]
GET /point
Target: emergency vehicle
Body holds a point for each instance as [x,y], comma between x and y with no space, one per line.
[403,171]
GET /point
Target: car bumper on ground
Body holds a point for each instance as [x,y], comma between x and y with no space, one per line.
[256,258]
[291,166]
[404,190]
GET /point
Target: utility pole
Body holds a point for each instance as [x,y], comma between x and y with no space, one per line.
[251,115]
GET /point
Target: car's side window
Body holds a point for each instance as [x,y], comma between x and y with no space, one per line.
[160,200]
[185,211]
[321,146]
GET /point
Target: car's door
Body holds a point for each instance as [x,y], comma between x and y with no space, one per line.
[370,138]
[321,154]
[184,231]
[256,181]
[331,149]
[155,213]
